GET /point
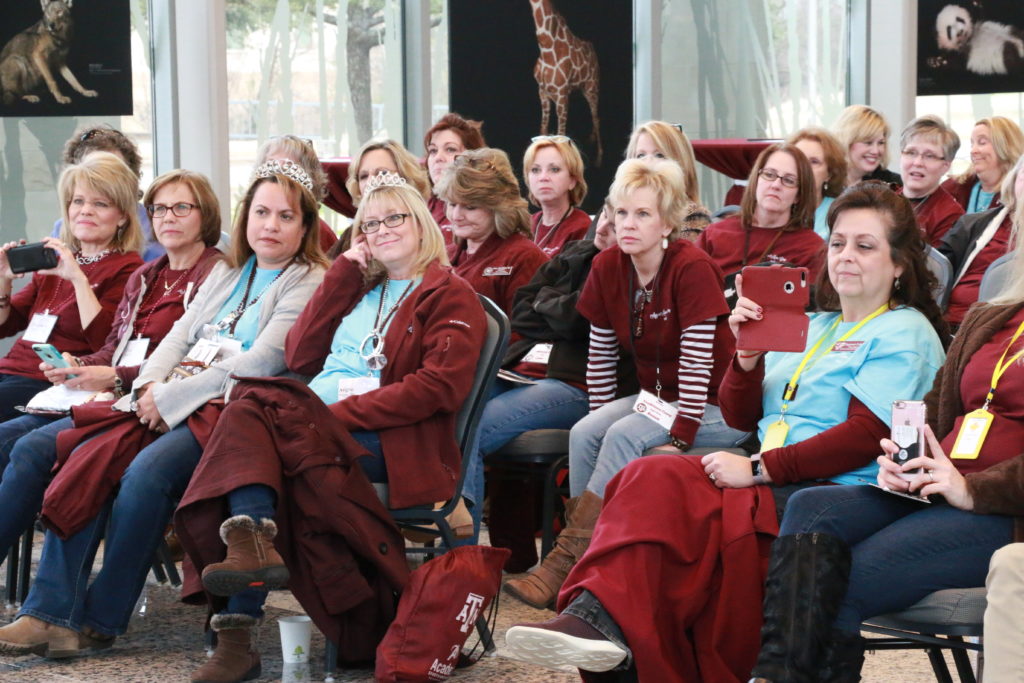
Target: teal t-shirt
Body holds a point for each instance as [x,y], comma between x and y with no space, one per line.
[820,214]
[979,200]
[346,358]
[892,357]
[247,328]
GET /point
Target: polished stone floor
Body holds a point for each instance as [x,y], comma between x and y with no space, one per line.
[166,643]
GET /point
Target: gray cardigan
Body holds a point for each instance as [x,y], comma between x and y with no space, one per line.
[279,307]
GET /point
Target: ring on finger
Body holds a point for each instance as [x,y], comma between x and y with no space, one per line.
[712,476]
[930,475]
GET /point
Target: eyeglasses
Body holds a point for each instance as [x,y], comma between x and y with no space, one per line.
[553,138]
[392,221]
[926,157]
[181,209]
[771,174]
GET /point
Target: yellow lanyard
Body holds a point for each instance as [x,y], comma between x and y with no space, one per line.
[1002,367]
[811,357]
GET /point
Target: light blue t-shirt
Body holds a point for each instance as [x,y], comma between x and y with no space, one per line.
[346,358]
[247,328]
[892,357]
[820,214]
[979,200]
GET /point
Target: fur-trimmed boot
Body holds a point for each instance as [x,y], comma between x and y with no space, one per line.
[540,587]
[807,579]
[843,659]
[251,562]
[235,658]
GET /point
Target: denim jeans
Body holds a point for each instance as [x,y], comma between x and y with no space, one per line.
[902,550]
[28,450]
[613,436]
[16,390]
[515,409]
[587,607]
[138,514]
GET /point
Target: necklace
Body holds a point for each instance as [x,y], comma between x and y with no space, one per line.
[169,287]
[231,321]
[547,237]
[140,326]
[376,360]
[84,260]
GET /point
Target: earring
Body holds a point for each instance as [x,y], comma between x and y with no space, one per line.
[824,186]
[664,242]
[896,285]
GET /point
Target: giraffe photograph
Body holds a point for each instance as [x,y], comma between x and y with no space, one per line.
[569,63]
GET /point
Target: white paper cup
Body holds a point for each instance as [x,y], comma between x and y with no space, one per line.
[295,635]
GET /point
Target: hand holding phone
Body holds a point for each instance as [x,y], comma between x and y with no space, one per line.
[48,353]
[908,421]
[27,258]
[782,293]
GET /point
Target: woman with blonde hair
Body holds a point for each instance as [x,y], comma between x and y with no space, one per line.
[658,298]
[385,156]
[392,338]
[71,306]
[493,248]
[828,165]
[449,137]
[927,146]
[661,140]
[864,134]
[996,144]
[553,169]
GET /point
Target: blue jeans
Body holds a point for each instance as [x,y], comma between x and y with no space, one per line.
[138,514]
[16,390]
[515,409]
[28,450]
[902,550]
[259,501]
[613,436]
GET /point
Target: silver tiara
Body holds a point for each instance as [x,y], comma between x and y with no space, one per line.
[284,167]
[385,179]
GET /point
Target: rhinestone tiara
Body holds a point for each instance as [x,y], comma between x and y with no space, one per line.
[286,168]
[385,179]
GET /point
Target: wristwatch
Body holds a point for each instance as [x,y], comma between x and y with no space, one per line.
[755,468]
[680,444]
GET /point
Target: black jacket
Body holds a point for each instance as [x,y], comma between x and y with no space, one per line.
[959,242]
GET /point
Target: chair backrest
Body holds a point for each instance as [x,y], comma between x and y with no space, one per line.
[943,271]
[995,277]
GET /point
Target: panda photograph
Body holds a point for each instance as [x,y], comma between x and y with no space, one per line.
[970,46]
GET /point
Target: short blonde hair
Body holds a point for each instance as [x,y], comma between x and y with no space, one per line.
[309,249]
[570,157]
[484,178]
[302,152]
[859,123]
[408,167]
[432,247]
[835,157]
[106,174]
[674,144]
[1007,141]
[202,194]
[665,178]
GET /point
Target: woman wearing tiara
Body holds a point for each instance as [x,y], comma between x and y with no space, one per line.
[392,337]
[148,443]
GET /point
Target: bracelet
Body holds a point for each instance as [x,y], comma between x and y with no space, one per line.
[118,386]
[755,354]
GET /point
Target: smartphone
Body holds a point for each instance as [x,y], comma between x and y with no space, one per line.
[782,292]
[49,354]
[908,421]
[31,257]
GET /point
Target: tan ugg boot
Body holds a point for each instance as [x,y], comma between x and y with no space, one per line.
[234,659]
[251,562]
[30,635]
[540,587]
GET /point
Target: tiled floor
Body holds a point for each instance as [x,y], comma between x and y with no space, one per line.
[166,644]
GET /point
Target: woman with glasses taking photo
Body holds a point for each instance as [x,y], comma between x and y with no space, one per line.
[553,169]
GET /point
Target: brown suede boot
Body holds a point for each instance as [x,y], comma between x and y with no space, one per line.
[28,634]
[251,562]
[540,587]
[234,659]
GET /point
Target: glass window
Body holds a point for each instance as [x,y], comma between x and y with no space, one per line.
[961,111]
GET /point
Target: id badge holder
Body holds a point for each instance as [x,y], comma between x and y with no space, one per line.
[40,327]
[973,431]
[354,386]
[135,352]
[540,354]
[649,405]
[775,435]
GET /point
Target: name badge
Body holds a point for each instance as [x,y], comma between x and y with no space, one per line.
[135,353]
[204,351]
[662,412]
[846,346]
[973,431]
[775,436]
[229,348]
[39,328]
[496,271]
[354,386]
[540,353]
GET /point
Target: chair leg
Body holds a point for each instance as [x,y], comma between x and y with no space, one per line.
[12,574]
[164,553]
[939,667]
[548,516]
[25,571]
[330,660]
[963,663]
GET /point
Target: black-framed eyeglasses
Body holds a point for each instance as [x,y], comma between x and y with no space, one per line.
[770,174]
[181,209]
[392,221]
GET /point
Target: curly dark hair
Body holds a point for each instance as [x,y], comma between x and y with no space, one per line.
[102,138]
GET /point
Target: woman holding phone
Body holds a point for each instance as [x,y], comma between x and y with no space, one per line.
[71,306]
[671,564]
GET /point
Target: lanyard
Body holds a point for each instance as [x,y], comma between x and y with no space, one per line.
[811,357]
[1002,367]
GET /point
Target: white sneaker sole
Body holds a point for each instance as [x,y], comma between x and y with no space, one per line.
[556,650]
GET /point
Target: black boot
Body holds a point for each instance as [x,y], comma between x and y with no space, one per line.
[843,659]
[807,579]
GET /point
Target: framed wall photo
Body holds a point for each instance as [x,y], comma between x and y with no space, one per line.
[494,49]
[86,47]
[970,46]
